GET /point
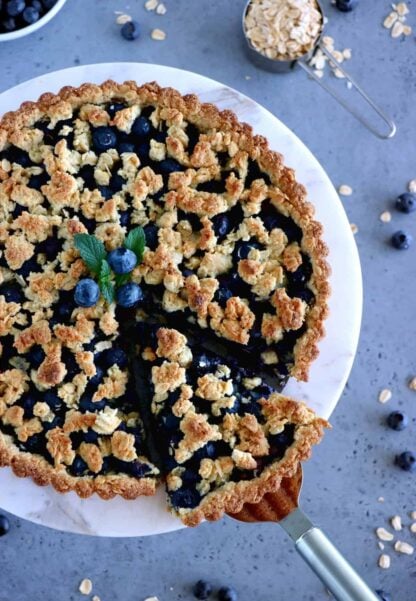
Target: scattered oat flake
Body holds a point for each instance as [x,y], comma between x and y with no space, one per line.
[384,561]
[122,19]
[347,53]
[396,522]
[402,547]
[354,228]
[411,186]
[349,85]
[413,515]
[151,4]
[158,34]
[96,598]
[402,9]
[407,30]
[413,527]
[384,396]
[390,20]
[248,77]
[319,73]
[161,9]
[380,499]
[85,586]
[412,384]
[385,217]
[384,534]
[345,190]
[380,545]
[397,29]
[152,599]
[339,74]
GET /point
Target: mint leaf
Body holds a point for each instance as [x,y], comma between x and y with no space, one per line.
[92,251]
[104,281]
[108,291]
[136,241]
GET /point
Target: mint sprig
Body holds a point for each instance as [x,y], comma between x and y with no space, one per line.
[94,255]
[92,251]
[136,241]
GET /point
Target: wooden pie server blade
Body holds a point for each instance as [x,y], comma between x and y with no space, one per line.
[320,554]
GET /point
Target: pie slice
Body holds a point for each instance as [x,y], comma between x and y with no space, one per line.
[232,254]
[224,438]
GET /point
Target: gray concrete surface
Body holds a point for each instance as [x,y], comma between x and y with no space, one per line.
[354,465]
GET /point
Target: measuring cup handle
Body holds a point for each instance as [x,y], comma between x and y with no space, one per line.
[392,126]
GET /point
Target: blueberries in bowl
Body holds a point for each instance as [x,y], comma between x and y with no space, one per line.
[406,203]
[346,6]
[18,14]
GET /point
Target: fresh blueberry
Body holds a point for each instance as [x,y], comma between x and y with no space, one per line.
[126,147]
[129,295]
[141,126]
[8,24]
[168,166]
[104,138]
[346,6]
[37,4]
[122,260]
[151,233]
[105,192]
[125,218]
[117,182]
[35,356]
[401,240]
[4,525]
[114,108]
[98,377]
[202,589]
[30,15]
[28,404]
[221,225]
[406,203]
[48,4]
[406,461]
[242,249]
[78,466]
[87,293]
[383,595]
[226,593]
[397,420]
[115,356]
[143,150]
[130,30]
[15,7]
[185,497]
[53,400]
[12,293]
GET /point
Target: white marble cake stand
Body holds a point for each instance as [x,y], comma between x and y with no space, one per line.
[329,373]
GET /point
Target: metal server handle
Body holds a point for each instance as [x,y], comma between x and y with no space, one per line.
[392,126]
[332,568]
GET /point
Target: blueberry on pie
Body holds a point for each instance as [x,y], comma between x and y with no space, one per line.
[121,207]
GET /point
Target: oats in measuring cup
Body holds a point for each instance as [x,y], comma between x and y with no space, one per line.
[283,29]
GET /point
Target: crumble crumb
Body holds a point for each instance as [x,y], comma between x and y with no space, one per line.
[354,228]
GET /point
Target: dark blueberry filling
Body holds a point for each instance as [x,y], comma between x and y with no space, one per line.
[212,186]
[87,174]
[105,192]
[71,365]
[117,182]
[37,181]
[193,219]
[273,219]
[51,247]
[86,404]
[28,402]
[114,108]
[185,498]
[78,467]
[254,172]
[222,226]
[12,292]
[17,155]
[125,217]
[35,356]
[242,249]
[53,400]
[28,267]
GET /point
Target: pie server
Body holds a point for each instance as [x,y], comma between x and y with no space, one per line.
[284,66]
[326,561]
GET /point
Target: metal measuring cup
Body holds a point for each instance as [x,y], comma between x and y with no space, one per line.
[286,65]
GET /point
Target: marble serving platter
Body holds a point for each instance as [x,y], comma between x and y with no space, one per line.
[329,373]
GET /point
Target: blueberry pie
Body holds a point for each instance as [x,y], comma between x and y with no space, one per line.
[189,224]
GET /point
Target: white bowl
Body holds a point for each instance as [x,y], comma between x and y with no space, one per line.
[20,33]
